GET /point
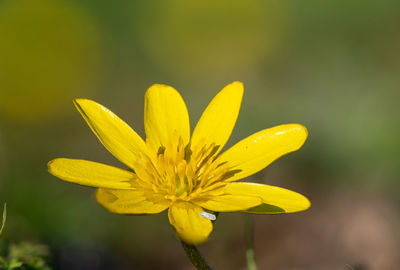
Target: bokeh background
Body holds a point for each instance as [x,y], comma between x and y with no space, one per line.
[331,65]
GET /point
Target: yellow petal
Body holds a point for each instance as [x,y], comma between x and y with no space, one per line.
[113,133]
[165,112]
[190,225]
[219,118]
[260,149]
[277,200]
[229,203]
[89,173]
[130,201]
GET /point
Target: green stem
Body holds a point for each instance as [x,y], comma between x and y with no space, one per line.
[3,223]
[195,257]
[249,234]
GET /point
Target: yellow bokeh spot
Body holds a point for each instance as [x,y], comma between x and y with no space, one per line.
[49,51]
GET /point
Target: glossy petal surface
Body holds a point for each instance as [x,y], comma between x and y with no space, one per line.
[219,118]
[190,225]
[165,112]
[89,173]
[112,132]
[229,203]
[130,201]
[257,151]
[286,200]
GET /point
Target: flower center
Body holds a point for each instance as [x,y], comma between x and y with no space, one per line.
[180,171]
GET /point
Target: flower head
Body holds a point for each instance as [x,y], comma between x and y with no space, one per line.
[184,173]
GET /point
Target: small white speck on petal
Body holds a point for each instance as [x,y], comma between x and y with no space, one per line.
[208,216]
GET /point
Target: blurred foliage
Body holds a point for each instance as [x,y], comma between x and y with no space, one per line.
[25,256]
[22,256]
[210,37]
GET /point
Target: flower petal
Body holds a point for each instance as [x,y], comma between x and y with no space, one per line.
[165,112]
[219,118]
[257,151]
[191,226]
[89,173]
[278,200]
[229,203]
[112,132]
[130,201]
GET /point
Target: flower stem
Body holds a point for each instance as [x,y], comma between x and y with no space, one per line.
[249,234]
[195,257]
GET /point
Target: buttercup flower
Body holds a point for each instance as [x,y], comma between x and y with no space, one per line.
[182,173]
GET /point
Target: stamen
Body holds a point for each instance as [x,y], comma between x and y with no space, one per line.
[182,172]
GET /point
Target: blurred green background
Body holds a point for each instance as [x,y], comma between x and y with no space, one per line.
[331,65]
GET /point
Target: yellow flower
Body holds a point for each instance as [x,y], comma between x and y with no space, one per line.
[184,173]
